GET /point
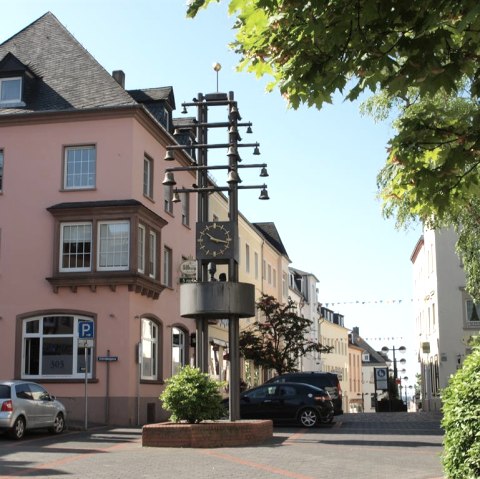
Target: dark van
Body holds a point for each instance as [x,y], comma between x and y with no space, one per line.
[327,381]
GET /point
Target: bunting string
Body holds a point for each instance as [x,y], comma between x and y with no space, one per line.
[392,338]
[363,302]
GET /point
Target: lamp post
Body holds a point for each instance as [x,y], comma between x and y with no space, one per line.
[402,350]
[216,241]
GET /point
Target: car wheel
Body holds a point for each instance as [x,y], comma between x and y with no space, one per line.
[18,429]
[308,417]
[58,425]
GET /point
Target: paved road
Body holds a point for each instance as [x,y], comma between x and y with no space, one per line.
[359,446]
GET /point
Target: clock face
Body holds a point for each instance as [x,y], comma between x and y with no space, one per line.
[214,240]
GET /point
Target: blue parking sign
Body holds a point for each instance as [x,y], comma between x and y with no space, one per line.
[85,330]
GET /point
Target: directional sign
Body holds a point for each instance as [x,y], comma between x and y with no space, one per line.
[86,330]
[107,358]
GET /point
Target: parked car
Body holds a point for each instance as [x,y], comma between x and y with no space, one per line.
[26,405]
[327,381]
[284,402]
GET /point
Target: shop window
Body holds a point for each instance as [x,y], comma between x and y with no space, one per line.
[50,347]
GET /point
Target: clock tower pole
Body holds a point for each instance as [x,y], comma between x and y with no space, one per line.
[217,241]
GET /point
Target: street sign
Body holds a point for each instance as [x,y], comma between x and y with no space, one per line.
[86,330]
[107,358]
[85,343]
[381,378]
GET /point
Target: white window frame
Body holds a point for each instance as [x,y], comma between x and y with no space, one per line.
[124,248]
[141,249]
[167,266]
[469,304]
[185,201]
[76,358]
[247,258]
[256,264]
[147,177]
[87,173]
[61,254]
[149,345]
[17,101]
[152,254]
[178,350]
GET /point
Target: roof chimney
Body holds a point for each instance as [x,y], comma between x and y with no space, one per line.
[119,77]
[355,334]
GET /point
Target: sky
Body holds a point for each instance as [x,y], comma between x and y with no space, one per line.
[322,164]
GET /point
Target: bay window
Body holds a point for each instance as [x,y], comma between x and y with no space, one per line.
[76,247]
[113,245]
[107,243]
[141,249]
[152,254]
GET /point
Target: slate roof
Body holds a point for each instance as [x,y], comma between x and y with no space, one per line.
[376,358]
[302,273]
[66,76]
[270,233]
[154,94]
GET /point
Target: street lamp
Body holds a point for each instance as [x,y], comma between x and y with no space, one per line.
[216,241]
[402,350]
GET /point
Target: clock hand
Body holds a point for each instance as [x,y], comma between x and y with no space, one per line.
[216,240]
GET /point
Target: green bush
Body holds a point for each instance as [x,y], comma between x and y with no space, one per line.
[192,396]
[461,419]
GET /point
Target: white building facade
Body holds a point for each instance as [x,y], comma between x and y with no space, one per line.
[446,317]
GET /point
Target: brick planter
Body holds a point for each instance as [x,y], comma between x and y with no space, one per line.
[207,434]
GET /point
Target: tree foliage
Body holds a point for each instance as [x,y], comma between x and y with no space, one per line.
[279,338]
[432,170]
[421,59]
[312,49]
[461,419]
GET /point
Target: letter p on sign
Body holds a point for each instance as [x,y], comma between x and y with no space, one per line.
[85,330]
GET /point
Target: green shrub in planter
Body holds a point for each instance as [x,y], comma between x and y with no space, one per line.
[461,419]
[192,396]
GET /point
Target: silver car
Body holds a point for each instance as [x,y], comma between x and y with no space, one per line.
[27,405]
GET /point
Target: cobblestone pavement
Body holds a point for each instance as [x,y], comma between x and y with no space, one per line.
[358,446]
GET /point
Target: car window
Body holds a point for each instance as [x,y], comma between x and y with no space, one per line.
[23,391]
[4,391]
[287,391]
[262,392]
[38,393]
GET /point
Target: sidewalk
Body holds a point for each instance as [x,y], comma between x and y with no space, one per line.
[360,446]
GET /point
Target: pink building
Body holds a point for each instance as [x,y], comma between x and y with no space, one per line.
[87,232]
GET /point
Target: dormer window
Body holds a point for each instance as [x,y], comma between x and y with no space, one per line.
[11,91]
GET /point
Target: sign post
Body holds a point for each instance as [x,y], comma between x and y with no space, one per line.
[107,359]
[86,333]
